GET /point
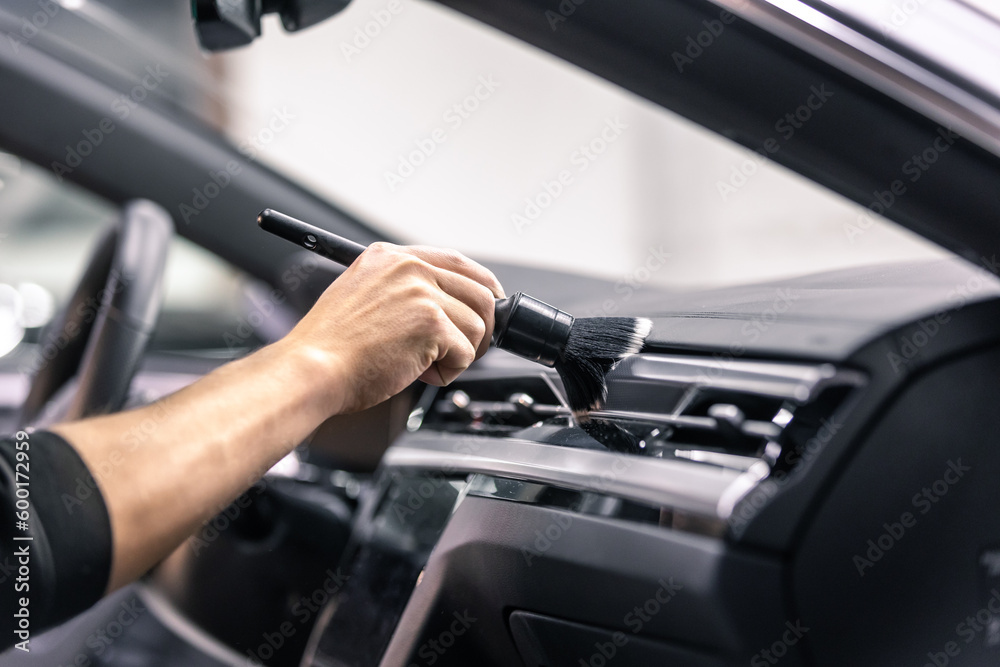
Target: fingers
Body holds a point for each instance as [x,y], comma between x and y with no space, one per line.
[456,353]
[425,312]
[456,262]
[470,305]
[464,280]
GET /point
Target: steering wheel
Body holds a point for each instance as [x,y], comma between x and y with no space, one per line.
[92,348]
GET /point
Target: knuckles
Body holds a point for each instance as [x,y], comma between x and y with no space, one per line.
[485,303]
[417,291]
[454,258]
[479,331]
[401,318]
[379,248]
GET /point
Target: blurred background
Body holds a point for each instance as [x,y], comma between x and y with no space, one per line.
[660,183]
[435,129]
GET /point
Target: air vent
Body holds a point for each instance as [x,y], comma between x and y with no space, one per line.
[491,406]
[730,415]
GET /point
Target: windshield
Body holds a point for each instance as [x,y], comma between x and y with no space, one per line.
[436,129]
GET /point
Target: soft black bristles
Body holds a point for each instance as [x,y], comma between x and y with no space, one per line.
[594,346]
[611,435]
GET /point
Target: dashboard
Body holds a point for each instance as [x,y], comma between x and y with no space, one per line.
[719,509]
[727,504]
[492,478]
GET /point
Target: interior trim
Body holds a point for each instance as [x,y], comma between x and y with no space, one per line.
[691,487]
[875,64]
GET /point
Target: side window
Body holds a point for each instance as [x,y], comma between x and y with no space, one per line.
[48,229]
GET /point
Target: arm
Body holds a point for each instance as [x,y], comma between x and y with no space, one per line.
[396,315]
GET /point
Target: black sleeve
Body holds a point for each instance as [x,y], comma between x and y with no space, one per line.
[55,536]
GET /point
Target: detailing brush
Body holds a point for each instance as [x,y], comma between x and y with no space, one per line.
[581,350]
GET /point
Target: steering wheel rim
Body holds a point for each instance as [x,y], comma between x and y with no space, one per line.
[92,349]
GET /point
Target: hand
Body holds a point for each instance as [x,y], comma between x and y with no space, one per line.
[395,315]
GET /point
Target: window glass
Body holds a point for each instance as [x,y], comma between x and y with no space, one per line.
[48,229]
[440,130]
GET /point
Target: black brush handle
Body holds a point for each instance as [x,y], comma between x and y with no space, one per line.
[524,325]
[329,245]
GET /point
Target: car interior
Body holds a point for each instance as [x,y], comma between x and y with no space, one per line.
[792,471]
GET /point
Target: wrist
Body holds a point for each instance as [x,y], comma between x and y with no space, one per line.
[316,374]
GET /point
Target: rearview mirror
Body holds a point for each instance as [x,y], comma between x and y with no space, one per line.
[227,24]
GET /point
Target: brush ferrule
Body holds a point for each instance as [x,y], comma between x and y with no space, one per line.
[531,328]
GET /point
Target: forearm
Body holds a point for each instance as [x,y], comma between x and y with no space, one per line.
[166,468]
[395,315]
